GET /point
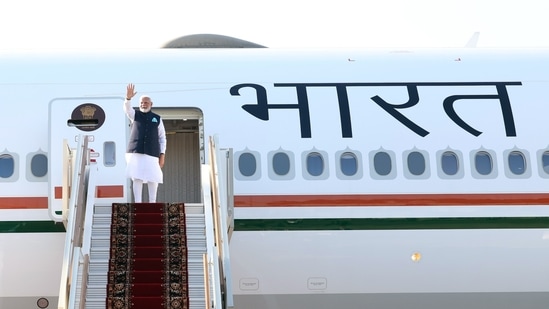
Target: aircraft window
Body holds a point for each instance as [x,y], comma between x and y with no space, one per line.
[517,162]
[382,163]
[315,164]
[449,163]
[109,154]
[39,165]
[483,163]
[247,164]
[416,163]
[281,163]
[545,161]
[7,166]
[349,164]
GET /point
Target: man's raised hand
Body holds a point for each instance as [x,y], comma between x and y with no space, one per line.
[130,91]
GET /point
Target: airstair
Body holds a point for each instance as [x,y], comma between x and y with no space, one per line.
[88,224]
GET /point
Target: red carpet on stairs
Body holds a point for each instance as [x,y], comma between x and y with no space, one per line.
[148,257]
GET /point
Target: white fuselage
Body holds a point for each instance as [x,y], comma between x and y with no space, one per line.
[320,220]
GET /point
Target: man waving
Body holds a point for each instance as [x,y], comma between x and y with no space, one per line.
[146,148]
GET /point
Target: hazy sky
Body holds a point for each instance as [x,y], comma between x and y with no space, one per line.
[277,24]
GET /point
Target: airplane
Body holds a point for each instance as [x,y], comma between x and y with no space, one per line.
[361,178]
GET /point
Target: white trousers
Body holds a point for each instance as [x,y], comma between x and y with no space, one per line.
[137,186]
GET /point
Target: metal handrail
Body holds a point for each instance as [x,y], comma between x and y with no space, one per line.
[73,214]
[211,250]
[83,287]
[223,220]
[227,221]
[81,257]
[206,267]
[90,200]
[76,255]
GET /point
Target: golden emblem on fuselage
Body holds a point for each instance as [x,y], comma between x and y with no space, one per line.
[88,111]
[87,117]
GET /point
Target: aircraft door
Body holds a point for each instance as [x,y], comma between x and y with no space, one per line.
[103,119]
[184,155]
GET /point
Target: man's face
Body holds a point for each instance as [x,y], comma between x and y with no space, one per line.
[145,105]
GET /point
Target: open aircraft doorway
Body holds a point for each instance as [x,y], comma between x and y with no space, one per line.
[184,155]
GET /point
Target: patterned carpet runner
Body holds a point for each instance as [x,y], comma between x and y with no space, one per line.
[148,257]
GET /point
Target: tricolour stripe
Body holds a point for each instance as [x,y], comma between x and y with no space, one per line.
[41,202]
[31,227]
[365,200]
[359,200]
[361,224]
[331,224]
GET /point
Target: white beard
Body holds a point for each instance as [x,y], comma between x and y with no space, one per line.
[143,110]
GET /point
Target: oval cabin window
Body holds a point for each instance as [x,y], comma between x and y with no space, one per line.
[449,163]
[349,164]
[7,166]
[315,164]
[247,164]
[416,163]
[517,163]
[382,163]
[483,163]
[39,165]
[281,164]
[545,161]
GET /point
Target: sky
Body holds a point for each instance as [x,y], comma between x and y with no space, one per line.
[113,24]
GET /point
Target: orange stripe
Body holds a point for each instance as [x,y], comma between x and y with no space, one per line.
[58,192]
[506,199]
[24,202]
[100,191]
[41,202]
[109,191]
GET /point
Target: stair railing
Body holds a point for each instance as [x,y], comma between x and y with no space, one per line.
[81,255]
[223,201]
[74,218]
[218,203]
[212,276]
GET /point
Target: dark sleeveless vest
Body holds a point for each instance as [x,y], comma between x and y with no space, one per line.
[144,134]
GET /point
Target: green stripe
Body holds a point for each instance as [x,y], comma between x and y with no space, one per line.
[31,227]
[343,224]
[389,224]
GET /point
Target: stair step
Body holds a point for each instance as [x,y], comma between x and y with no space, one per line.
[151,302]
[96,290]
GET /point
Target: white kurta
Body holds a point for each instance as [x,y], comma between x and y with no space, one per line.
[142,166]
